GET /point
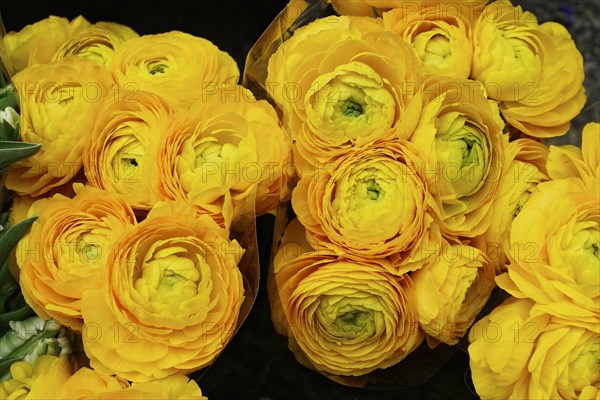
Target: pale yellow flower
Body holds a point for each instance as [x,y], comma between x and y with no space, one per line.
[97,42]
[534,71]
[462,279]
[553,252]
[525,164]
[36,43]
[461,135]
[519,352]
[59,104]
[441,40]
[39,381]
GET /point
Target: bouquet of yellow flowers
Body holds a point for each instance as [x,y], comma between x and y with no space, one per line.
[421,181]
[151,163]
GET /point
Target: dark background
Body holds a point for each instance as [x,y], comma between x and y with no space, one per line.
[257,364]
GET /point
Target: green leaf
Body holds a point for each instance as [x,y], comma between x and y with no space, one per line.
[7,132]
[11,152]
[8,98]
[17,315]
[8,286]
[9,240]
[6,363]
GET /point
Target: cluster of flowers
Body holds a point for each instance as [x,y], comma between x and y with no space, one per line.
[151,153]
[417,134]
[544,343]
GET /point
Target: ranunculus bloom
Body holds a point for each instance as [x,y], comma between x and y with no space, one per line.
[173,387]
[36,43]
[553,252]
[535,71]
[341,88]
[369,203]
[98,42]
[85,383]
[442,41]
[471,9]
[89,384]
[42,380]
[170,300]
[172,64]
[500,349]
[462,279]
[59,103]
[583,163]
[121,154]
[354,7]
[565,364]
[518,352]
[222,152]
[460,133]
[344,317]
[525,163]
[67,249]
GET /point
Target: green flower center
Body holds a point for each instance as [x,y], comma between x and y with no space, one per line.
[373,189]
[354,318]
[463,155]
[350,108]
[469,156]
[168,278]
[88,249]
[155,69]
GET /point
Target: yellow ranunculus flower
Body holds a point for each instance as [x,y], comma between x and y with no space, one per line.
[66,250]
[42,380]
[173,65]
[85,383]
[471,9]
[341,88]
[343,317]
[97,42]
[553,252]
[460,132]
[442,41]
[501,346]
[518,352]
[369,203]
[121,154]
[565,364]
[354,8]
[367,24]
[505,57]
[59,103]
[173,387]
[223,151]
[573,162]
[170,300]
[36,43]
[525,163]
[89,384]
[462,279]
[535,71]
